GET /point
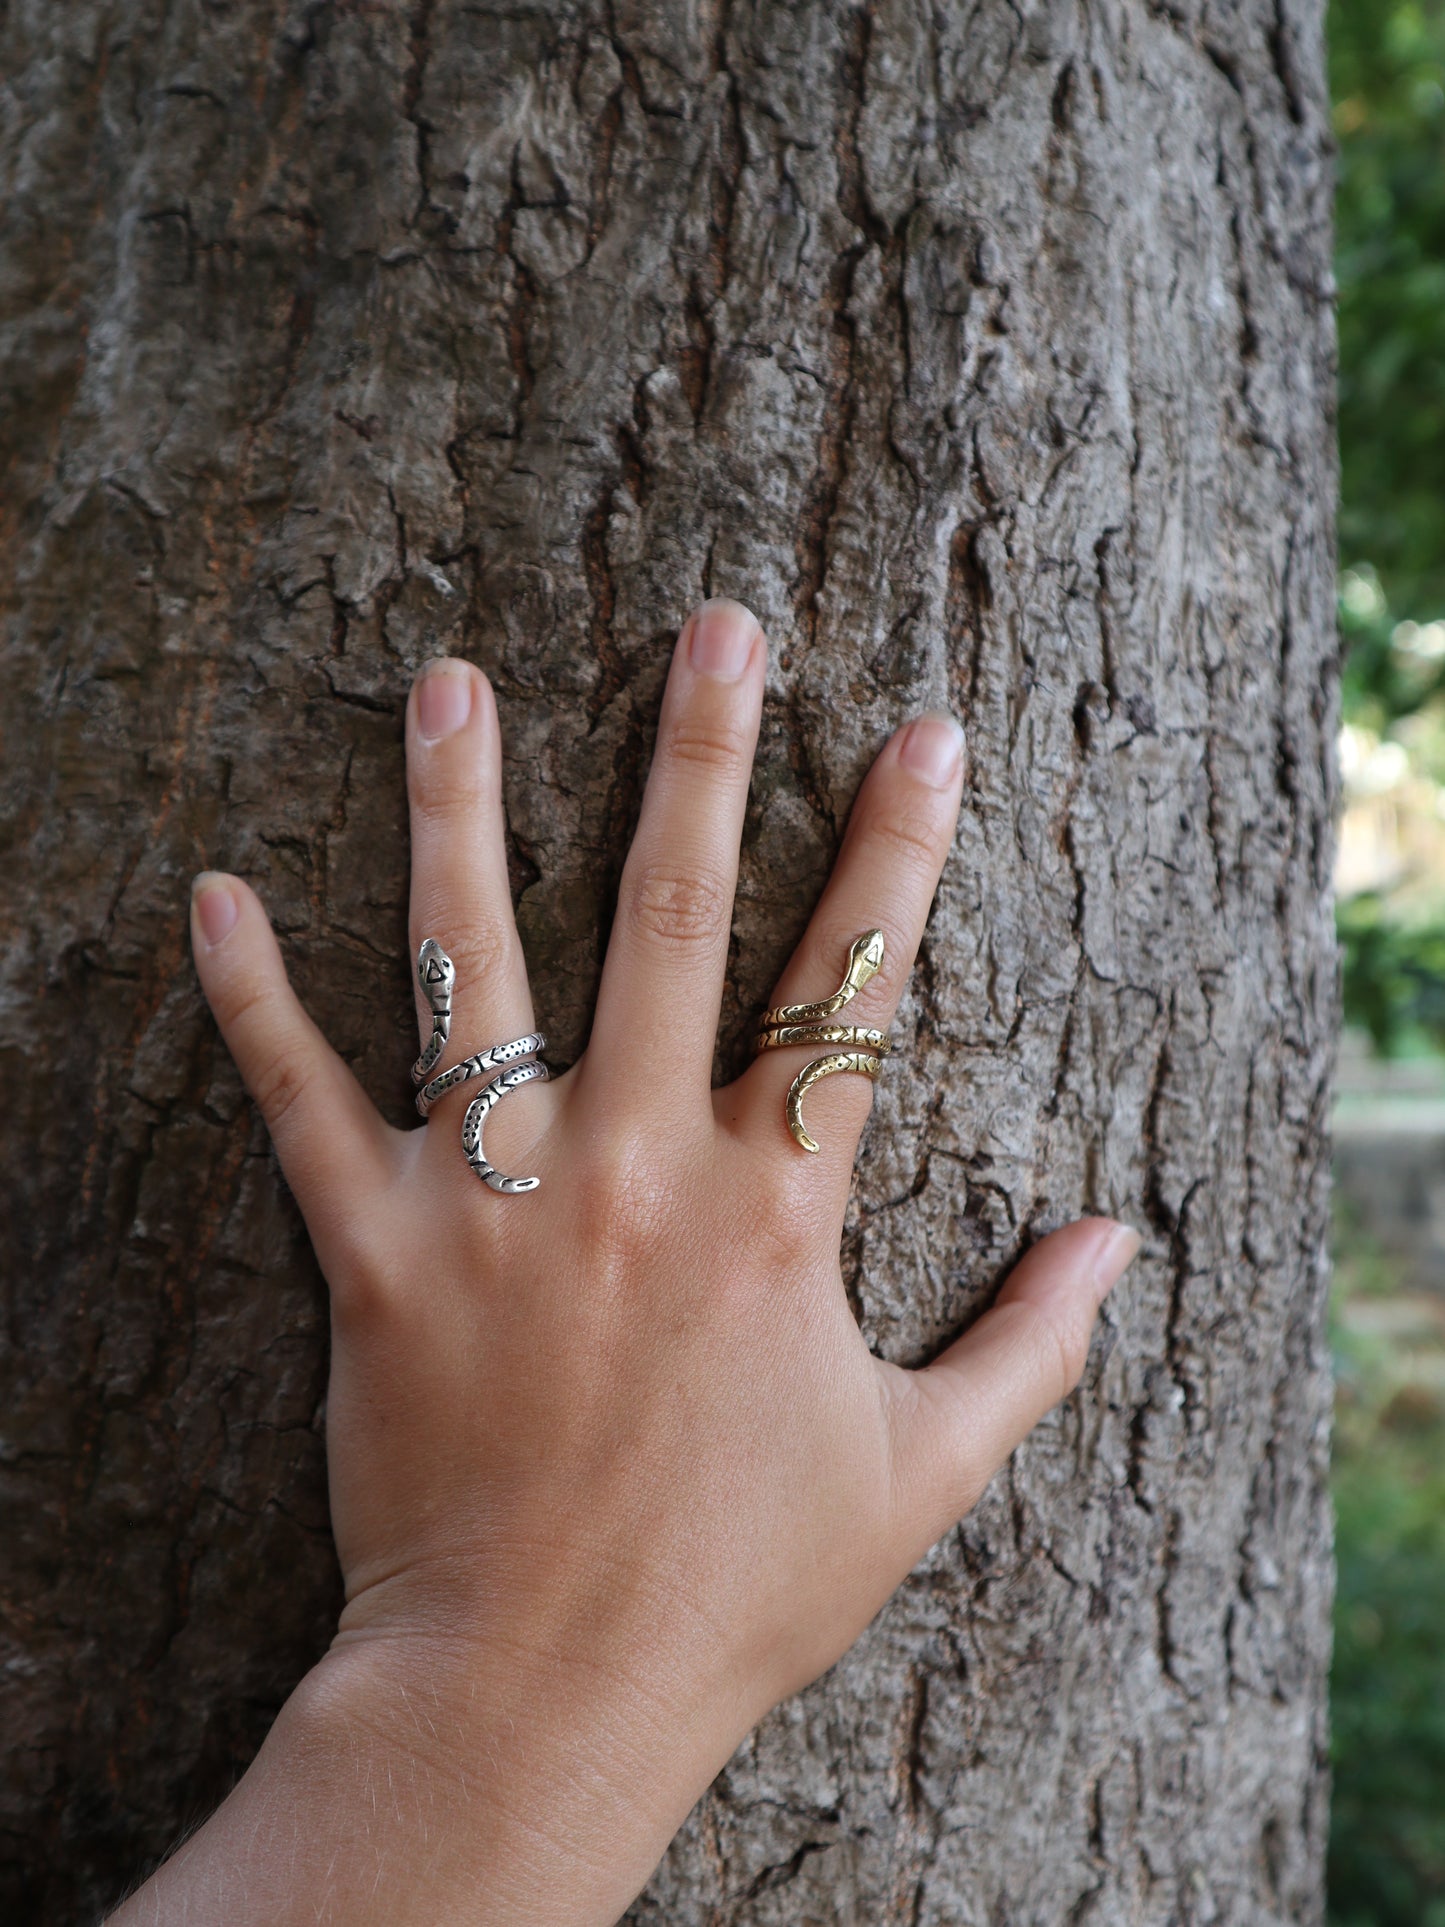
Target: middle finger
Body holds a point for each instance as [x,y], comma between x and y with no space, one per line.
[661,991]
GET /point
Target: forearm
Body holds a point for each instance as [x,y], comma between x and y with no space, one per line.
[396,1790]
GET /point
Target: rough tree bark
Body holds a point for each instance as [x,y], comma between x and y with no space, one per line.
[985,350]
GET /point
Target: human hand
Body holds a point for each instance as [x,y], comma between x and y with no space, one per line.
[612,1469]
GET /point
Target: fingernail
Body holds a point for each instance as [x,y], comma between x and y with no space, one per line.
[216,906]
[443,698]
[722,639]
[1112,1256]
[932,748]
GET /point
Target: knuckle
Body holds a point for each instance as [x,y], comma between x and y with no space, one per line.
[367,1285]
[781,1228]
[802,1206]
[278,1085]
[477,954]
[677,908]
[266,1046]
[444,797]
[953,1473]
[237,1006]
[707,743]
[445,811]
[619,1192]
[1060,1348]
[910,835]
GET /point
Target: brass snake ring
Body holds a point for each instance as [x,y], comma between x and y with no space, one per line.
[789,1024]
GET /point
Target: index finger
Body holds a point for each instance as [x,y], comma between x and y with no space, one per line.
[898,837]
[333,1144]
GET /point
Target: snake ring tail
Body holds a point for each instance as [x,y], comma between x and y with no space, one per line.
[477,1110]
[515,1063]
[787,1025]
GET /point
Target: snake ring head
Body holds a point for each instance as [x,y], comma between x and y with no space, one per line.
[436,973]
[865,960]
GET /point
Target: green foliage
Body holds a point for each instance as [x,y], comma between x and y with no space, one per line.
[1394,971]
[1387,77]
[1382,681]
[1387,1836]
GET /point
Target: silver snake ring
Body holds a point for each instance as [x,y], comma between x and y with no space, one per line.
[515,1064]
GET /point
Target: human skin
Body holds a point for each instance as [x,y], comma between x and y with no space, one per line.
[612,1470]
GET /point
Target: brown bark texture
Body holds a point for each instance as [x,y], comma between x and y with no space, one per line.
[985,350]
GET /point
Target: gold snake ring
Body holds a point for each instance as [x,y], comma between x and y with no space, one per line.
[790,1024]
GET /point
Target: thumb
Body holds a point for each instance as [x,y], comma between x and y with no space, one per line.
[966,1412]
[332,1142]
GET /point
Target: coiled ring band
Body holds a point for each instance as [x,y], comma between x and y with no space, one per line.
[788,1025]
[495,1059]
[514,1064]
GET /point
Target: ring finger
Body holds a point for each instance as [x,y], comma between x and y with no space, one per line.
[898,837]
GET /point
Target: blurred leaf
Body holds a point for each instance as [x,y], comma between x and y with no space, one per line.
[1387,77]
[1387,1699]
[1394,973]
[1387,73]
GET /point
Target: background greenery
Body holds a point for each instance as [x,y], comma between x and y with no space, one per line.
[1387,74]
[1387,77]
[1387,1840]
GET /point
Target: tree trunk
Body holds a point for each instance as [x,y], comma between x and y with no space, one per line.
[985,350]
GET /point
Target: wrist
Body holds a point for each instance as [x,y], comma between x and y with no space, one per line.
[547,1785]
[418,1781]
